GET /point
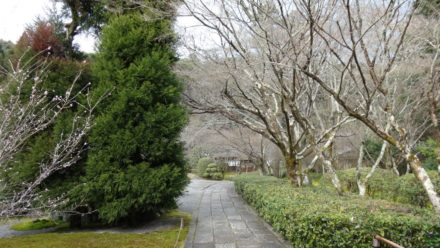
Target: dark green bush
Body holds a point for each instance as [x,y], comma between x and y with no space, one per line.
[428,150]
[213,171]
[384,184]
[202,165]
[316,217]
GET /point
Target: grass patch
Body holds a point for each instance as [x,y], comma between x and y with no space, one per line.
[37,225]
[229,175]
[164,238]
[90,239]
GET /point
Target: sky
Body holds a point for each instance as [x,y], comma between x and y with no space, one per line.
[16,14]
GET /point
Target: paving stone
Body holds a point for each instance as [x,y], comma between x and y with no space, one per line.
[242,234]
[203,236]
[204,245]
[224,237]
[238,224]
[221,219]
[222,227]
[234,217]
[229,245]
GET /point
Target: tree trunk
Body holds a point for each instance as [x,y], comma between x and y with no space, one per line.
[306,180]
[362,188]
[423,177]
[359,182]
[262,171]
[362,183]
[261,167]
[335,179]
[293,172]
[276,168]
[395,166]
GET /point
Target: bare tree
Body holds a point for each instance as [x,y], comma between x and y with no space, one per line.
[424,37]
[23,115]
[363,47]
[258,45]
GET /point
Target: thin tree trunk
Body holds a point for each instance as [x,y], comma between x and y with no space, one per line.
[331,170]
[259,163]
[394,166]
[328,162]
[423,177]
[360,184]
[433,112]
[306,180]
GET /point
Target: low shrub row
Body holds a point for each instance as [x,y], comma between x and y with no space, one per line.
[316,217]
[384,184]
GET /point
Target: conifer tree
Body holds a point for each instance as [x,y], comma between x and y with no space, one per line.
[135,165]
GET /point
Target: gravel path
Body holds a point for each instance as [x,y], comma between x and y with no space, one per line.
[221,219]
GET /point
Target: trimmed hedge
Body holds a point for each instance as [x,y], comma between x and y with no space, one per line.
[316,217]
[386,185]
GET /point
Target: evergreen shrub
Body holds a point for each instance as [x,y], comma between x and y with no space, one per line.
[135,167]
[213,171]
[202,165]
[316,217]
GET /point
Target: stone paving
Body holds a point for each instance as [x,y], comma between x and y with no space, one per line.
[221,219]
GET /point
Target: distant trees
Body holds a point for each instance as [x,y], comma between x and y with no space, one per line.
[135,167]
[41,38]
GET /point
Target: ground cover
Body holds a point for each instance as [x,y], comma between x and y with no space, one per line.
[316,216]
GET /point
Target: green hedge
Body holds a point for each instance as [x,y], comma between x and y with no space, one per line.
[384,184]
[316,217]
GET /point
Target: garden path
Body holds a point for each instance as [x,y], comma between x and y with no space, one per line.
[221,219]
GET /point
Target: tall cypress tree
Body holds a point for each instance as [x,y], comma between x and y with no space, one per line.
[135,165]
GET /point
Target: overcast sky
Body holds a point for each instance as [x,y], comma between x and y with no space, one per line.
[16,14]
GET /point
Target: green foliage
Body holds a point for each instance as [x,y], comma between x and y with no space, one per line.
[384,184]
[6,48]
[316,217]
[135,167]
[37,225]
[202,165]
[213,171]
[428,149]
[194,156]
[372,147]
[429,7]
[25,166]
